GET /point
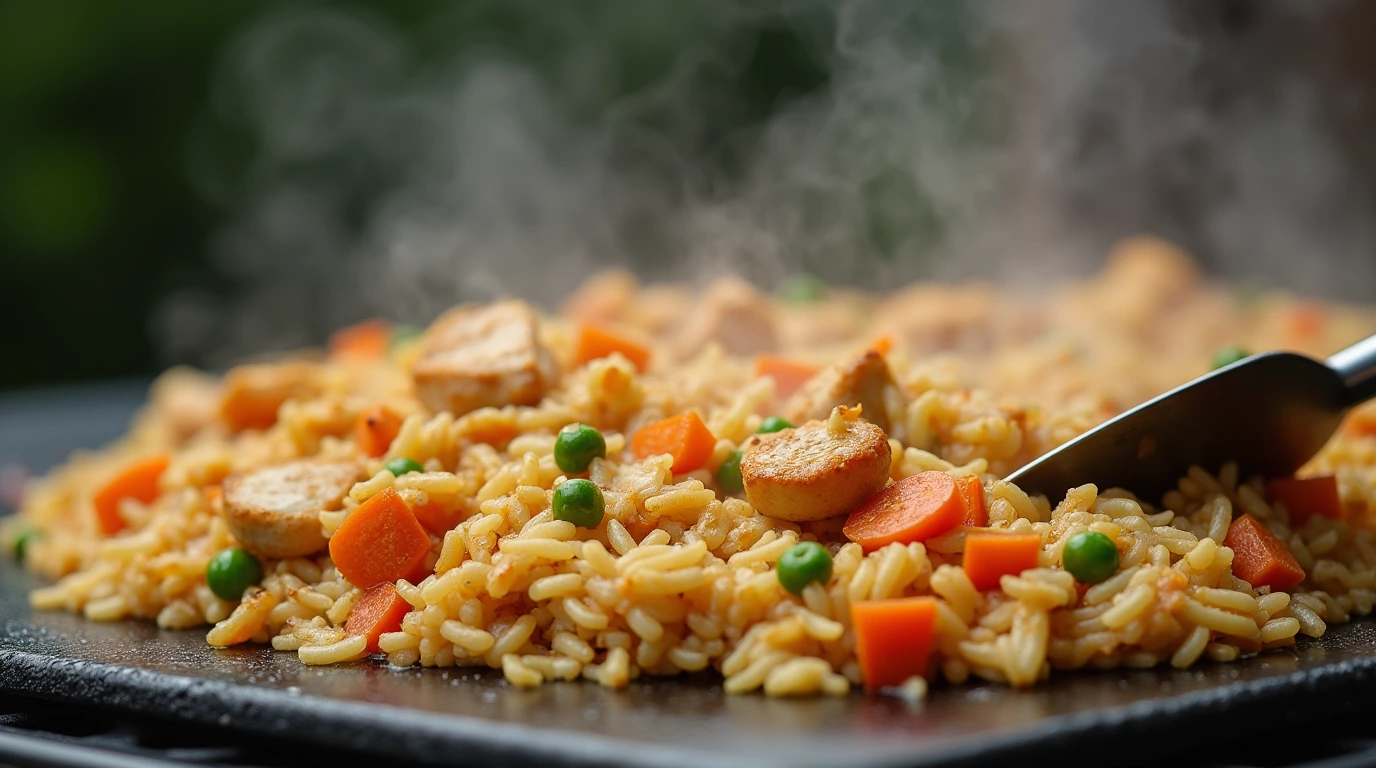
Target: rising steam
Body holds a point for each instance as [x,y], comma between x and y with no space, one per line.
[1010,142]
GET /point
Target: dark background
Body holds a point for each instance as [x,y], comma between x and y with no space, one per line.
[125,157]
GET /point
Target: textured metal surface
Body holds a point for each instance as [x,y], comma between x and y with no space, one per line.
[431,715]
[443,717]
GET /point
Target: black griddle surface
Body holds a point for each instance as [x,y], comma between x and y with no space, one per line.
[461,716]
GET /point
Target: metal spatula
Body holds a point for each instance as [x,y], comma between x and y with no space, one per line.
[1270,413]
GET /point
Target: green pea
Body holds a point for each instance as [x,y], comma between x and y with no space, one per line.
[1090,557]
[576,446]
[1229,355]
[402,465]
[729,474]
[774,424]
[22,542]
[803,564]
[231,571]
[803,289]
[580,502]
[401,334]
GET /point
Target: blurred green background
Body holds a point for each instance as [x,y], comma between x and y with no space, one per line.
[106,105]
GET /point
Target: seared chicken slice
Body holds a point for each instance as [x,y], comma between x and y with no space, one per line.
[733,314]
[815,471]
[274,512]
[865,381]
[480,356]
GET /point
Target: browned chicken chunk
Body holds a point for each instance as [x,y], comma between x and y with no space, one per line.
[865,381]
[274,512]
[480,356]
[733,314]
[815,471]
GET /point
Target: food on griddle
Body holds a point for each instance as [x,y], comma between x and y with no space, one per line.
[799,492]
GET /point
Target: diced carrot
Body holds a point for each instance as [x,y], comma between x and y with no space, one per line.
[136,481]
[252,394]
[379,611]
[1361,421]
[915,508]
[893,639]
[788,375]
[883,344]
[380,542]
[595,342]
[684,437]
[375,430]
[1260,558]
[972,493]
[1307,497]
[367,340]
[1305,322]
[990,556]
[436,518]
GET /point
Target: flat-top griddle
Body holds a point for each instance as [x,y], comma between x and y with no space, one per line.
[474,717]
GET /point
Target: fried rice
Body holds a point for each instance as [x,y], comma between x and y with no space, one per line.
[680,575]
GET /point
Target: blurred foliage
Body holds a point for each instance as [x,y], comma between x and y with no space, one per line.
[106,107]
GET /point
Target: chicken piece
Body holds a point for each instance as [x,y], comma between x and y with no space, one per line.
[252,394]
[1143,279]
[815,471]
[274,512]
[866,381]
[481,356]
[602,298]
[733,314]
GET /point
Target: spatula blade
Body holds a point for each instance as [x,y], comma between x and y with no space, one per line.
[1270,413]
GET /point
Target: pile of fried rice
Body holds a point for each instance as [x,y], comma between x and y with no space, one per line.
[680,574]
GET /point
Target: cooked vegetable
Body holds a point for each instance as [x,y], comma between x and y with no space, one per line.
[972,494]
[1307,497]
[772,424]
[580,502]
[576,446]
[1229,355]
[802,288]
[893,639]
[231,571]
[1305,322]
[729,474]
[403,465]
[404,334]
[684,437]
[274,511]
[1260,558]
[883,344]
[252,394]
[990,556]
[788,375]
[915,508]
[22,541]
[438,518]
[595,342]
[1090,556]
[363,341]
[812,473]
[803,564]
[375,430]
[378,612]
[380,542]
[137,481]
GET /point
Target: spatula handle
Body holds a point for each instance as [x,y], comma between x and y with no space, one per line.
[1357,366]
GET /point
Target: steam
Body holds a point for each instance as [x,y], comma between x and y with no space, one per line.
[1009,142]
